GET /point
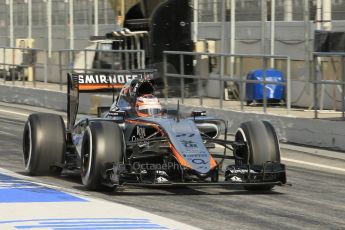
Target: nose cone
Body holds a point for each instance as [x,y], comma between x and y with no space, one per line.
[201,163]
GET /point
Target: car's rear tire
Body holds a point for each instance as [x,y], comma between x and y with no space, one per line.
[103,145]
[261,146]
[44,144]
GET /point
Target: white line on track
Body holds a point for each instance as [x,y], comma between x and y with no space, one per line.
[313,164]
[16,113]
[6,133]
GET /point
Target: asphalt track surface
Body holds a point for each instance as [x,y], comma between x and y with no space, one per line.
[316,199]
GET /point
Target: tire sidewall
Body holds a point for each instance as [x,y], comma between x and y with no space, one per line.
[261,141]
[27,148]
[98,142]
[262,145]
[44,134]
[32,166]
[91,167]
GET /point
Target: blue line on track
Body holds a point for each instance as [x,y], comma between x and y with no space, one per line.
[99,228]
[110,228]
[14,190]
[95,226]
[83,223]
[97,221]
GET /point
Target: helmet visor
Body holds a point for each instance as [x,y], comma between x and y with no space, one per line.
[149,110]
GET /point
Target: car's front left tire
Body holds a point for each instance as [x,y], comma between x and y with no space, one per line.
[102,145]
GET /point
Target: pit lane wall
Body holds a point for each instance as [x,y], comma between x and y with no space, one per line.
[317,133]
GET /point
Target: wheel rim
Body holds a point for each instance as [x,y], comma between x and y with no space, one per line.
[87,156]
[244,151]
[28,147]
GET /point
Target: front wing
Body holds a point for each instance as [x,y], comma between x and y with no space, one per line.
[270,174]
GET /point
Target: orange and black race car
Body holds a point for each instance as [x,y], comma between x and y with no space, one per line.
[136,141]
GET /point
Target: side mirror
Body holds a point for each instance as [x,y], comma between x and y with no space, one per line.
[118,115]
[101,110]
[172,112]
[198,114]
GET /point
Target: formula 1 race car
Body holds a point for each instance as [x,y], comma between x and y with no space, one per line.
[138,142]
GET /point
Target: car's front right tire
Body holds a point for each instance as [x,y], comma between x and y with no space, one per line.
[262,146]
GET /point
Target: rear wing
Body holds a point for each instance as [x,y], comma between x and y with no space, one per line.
[97,82]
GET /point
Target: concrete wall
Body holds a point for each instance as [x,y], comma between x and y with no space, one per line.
[289,39]
[319,133]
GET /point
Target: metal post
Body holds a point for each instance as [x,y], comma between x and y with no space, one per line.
[96,16]
[66,23]
[132,52]
[49,25]
[11,24]
[288,10]
[12,70]
[343,88]
[60,69]
[23,78]
[71,25]
[4,60]
[242,95]
[315,77]
[45,67]
[89,16]
[221,92]
[196,20]
[306,40]
[126,53]
[85,60]
[327,15]
[288,85]
[264,68]
[105,13]
[199,86]
[182,77]
[215,11]
[223,32]
[71,55]
[232,35]
[113,60]
[318,14]
[165,77]
[273,20]
[223,8]
[263,25]
[137,46]
[143,66]
[34,75]
[123,9]
[22,75]
[29,18]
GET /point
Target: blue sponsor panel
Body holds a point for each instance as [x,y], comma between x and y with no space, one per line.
[14,190]
[82,223]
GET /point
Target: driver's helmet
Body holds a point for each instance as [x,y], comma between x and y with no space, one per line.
[148,105]
[140,87]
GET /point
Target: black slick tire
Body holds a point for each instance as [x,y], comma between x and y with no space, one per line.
[103,145]
[261,146]
[44,144]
